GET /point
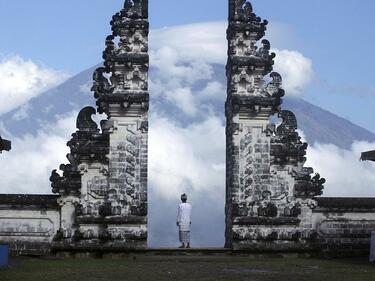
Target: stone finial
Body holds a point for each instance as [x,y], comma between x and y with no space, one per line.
[85,122]
[136,8]
[101,83]
[242,11]
[289,124]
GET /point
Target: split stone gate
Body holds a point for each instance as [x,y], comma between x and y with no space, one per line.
[272,200]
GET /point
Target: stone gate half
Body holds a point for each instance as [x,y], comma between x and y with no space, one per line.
[269,192]
[103,191]
[272,201]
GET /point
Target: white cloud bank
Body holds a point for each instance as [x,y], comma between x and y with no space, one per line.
[296,69]
[345,174]
[27,167]
[193,42]
[21,80]
[187,158]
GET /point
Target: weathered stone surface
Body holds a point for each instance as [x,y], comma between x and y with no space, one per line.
[28,223]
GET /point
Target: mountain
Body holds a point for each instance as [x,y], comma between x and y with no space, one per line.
[317,124]
[322,126]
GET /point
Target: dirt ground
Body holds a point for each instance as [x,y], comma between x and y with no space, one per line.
[188,268]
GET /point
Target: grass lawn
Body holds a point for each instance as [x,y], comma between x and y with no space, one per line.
[188,268]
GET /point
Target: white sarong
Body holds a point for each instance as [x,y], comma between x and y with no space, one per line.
[184,222]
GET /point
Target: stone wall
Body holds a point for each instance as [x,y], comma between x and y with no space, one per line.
[28,223]
[344,225]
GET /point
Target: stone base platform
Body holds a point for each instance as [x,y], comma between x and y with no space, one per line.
[118,253]
[174,252]
[200,252]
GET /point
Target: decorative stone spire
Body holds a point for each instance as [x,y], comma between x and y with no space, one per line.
[136,8]
[267,184]
[241,16]
[88,144]
[123,80]
[248,61]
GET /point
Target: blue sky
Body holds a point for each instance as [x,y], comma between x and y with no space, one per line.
[336,35]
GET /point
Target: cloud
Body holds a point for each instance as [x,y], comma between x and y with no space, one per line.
[198,42]
[186,158]
[345,174]
[184,99]
[296,70]
[213,90]
[21,80]
[27,167]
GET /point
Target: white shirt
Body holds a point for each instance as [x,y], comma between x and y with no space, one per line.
[183,217]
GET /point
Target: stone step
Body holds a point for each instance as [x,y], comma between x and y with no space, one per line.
[176,253]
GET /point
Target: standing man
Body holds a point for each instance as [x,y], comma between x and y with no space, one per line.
[184,222]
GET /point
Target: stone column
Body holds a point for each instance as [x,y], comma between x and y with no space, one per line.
[121,89]
[267,187]
[107,174]
[67,216]
[127,193]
